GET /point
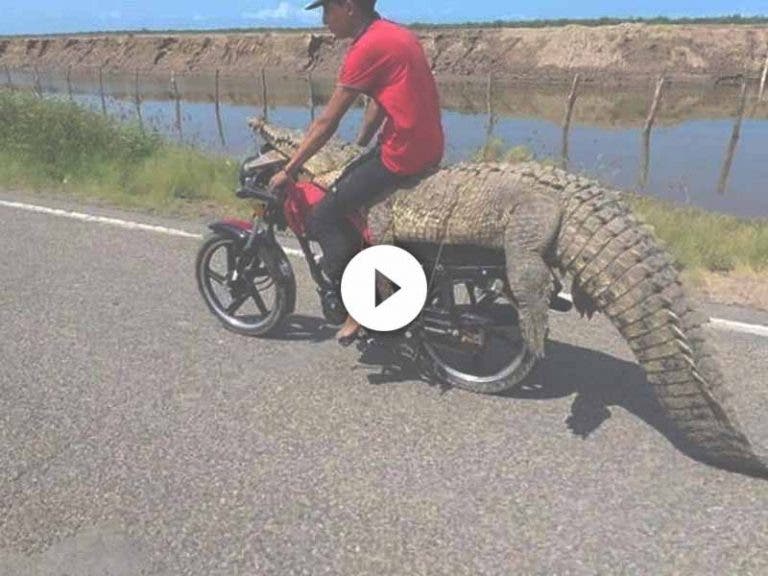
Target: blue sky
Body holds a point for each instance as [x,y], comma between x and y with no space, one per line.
[41,16]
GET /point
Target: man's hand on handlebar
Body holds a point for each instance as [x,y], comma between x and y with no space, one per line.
[278,182]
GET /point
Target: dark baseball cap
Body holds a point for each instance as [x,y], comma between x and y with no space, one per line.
[318,3]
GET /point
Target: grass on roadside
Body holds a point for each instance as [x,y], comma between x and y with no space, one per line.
[706,240]
[57,146]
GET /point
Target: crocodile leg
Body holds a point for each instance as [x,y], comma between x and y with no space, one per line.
[529,233]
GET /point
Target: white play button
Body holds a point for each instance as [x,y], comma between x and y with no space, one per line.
[384,312]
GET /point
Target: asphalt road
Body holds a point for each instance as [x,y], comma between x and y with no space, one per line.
[138,436]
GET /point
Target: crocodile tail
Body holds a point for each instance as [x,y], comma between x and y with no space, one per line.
[619,269]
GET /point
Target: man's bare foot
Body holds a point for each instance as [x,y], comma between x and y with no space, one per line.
[347,332]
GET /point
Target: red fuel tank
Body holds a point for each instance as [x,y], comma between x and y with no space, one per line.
[301,199]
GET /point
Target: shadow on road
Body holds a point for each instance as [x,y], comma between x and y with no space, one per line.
[392,361]
[307,328]
[598,381]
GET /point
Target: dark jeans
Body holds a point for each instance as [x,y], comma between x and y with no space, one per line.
[365,182]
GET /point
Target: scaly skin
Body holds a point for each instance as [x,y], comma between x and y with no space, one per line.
[543,218]
[324,166]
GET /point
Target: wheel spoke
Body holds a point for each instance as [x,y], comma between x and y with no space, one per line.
[217,277]
[236,303]
[230,258]
[470,286]
[258,270]
[259,302]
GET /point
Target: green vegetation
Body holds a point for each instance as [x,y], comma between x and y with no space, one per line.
[604,21]
[493,151]
[734,19]
[705,240]
[54,145]
[699,240]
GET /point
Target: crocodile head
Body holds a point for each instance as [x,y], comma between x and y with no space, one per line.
[324,166]
[284,140]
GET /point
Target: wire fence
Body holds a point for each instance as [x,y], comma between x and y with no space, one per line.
[35,83]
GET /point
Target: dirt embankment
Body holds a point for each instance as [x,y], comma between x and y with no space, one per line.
[620,53]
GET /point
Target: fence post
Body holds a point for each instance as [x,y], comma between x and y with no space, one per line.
[101,91]
[311,97]
[567,118]
[489,94]
[218,112]
[491,116]
[264,93]
[763,79]
[175,89]
[69,83]
[655,105]
[38,85]
[734,138]
[9,80]
[137,99]
[645,167]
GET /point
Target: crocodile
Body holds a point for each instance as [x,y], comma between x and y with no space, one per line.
[545,219]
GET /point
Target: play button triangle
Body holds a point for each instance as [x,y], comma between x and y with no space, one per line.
[373,308]
[380,280]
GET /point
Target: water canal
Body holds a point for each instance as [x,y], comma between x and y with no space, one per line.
[689,140]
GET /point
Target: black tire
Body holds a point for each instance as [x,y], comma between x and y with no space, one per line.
[454,363]
[249,287]
[504,380]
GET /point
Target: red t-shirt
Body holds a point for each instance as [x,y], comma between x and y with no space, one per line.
[388,64]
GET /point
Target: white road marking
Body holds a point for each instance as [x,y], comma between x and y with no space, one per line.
[100,219]
[731,326]
[719,323]
[116,222]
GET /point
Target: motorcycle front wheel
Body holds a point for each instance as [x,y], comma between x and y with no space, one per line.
[238,288]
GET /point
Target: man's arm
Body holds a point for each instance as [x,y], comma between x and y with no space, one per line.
[321,130]
[374,116]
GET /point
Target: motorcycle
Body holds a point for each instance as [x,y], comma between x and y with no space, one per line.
[467,335]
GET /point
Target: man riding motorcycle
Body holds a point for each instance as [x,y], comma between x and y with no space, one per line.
[387,63]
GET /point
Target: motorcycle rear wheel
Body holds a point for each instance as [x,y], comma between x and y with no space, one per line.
[251,303]
[497,361]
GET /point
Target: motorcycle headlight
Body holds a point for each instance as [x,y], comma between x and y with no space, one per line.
[256,171]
